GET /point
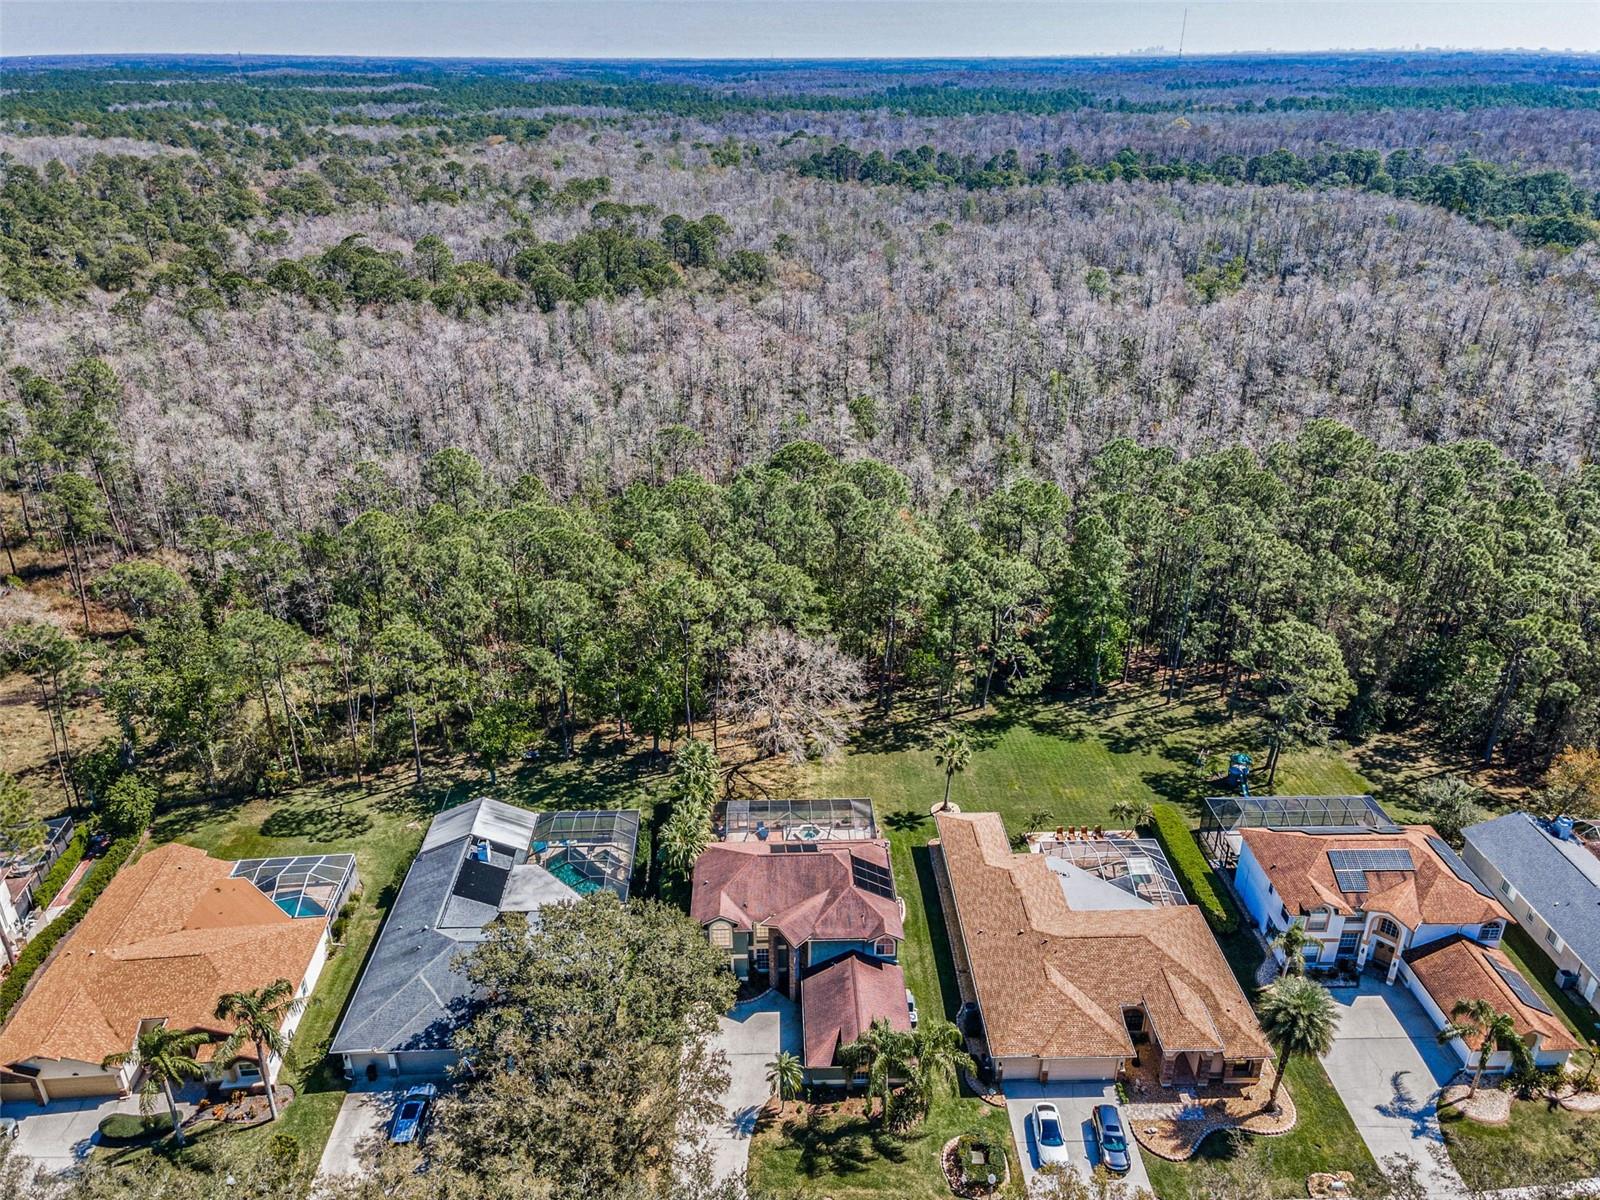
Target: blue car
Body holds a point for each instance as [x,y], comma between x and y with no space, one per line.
[412,1113]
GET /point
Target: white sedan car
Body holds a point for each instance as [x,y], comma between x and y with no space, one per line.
[1048,1135]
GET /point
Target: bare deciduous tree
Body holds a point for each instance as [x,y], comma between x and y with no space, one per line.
[798,694]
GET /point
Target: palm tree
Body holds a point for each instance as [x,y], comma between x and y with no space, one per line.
[1133,814]
[941,1054]
[165,1056]
[883,1053]
[258,1018]
[1293,942]
[785,1076]
[683,839]
[1478,1019]
[954,753]
[1298,1017]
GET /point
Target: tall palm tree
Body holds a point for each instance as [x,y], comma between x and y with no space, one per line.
[1133,814]
[953,754]
[258,1018]
[884,1054]
[941,1054]
[1298,1017]
[1478,1019]
[165,1057]
[683,839]
[785,1076]
[1293,942]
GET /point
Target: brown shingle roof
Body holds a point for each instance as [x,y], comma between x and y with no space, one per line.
[168,936]
[1052,982]
[802,896]
[841,1001]
[1298,866]
[1457,968]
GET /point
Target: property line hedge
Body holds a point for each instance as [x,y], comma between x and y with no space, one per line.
[1195,873]
[61,870]
[36,951]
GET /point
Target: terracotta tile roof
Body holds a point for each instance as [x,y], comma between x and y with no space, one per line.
[803,896]
[841,1001]
[1457,968]
[1052,981]
[169,935]
[1298,866]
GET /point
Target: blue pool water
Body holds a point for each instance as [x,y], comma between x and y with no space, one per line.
[301,906]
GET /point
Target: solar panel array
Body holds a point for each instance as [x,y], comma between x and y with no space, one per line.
[794,848]
[1351,881]
[1458,865]
[1519,987]
[870,877]
[1371,860]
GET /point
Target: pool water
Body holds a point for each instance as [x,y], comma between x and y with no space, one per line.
[301,906]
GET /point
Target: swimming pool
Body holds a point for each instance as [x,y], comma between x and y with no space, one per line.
[301,906]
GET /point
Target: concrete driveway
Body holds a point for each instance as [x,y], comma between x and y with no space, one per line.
[1076,1101]
[359,1129]
[751,1036]
[61,1135]
[1387,1066]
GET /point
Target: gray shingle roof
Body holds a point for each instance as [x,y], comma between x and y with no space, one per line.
[410,996]
[1561,880]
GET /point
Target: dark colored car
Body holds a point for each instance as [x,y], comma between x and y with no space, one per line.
[412,1113]
[1112,1138]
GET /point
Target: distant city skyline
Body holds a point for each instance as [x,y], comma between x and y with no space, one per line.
[784,28]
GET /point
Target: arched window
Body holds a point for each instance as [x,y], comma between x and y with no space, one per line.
[1387,928]
[1490,933]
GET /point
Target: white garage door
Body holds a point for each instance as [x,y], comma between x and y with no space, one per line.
[1058,1069]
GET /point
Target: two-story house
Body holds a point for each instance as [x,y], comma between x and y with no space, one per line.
[817,921]
[1364,898]
[1403,906]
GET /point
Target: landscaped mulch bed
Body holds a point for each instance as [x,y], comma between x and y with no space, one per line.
[1490,1106]
[1172,1128]
[1580,1102]
[950,1162]
[248,1109]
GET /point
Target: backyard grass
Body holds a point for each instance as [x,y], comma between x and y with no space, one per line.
[1042,765]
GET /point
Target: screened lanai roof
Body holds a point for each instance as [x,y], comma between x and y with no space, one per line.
[1298,812]
[587,851]
[826,819]
[311,885]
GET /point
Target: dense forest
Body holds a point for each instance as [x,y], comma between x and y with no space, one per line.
[1323,582]
[372,409]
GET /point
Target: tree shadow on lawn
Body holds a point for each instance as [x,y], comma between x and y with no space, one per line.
[840,1146]
[311,819]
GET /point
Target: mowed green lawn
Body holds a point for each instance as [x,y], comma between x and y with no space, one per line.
[1067,762]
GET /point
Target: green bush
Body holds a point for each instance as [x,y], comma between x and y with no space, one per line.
[124,1129]
[37,950]
[61,870]
[1199,881]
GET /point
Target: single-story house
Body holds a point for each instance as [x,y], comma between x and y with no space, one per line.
[477,860]
[173,932]
[1548,875]
[1442,973]
[1071,993]
[1364,897]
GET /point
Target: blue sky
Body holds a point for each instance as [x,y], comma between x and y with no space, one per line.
[781,28]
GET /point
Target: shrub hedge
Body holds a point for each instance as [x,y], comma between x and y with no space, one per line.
[37,950]
[1194,872]
[127,1129]
[61,870]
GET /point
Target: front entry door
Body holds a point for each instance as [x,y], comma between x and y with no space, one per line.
[1382,956]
